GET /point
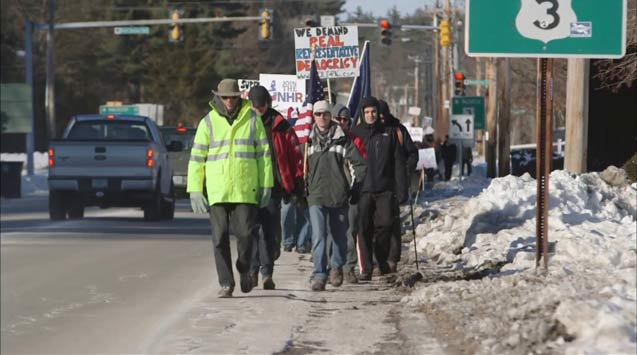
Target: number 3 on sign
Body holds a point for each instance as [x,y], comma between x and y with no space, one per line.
[545,20]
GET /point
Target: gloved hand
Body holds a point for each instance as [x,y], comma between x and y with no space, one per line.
[264,198]
[301,203]
[354,196]
[198,202]
[299,187]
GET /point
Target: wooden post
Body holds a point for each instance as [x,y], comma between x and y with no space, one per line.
[504,118]
[577,82]
[492,123]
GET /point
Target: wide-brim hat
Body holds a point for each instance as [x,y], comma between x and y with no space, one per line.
[227,87]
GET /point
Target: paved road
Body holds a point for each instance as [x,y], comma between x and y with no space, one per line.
[112,283]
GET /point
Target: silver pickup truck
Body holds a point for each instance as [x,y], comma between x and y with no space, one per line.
[111,160]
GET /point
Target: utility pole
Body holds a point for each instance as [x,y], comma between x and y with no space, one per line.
[49,95]
[504,118]
[442,127]
[28,79]
[577,115]
[437,90]
[492,123]
[479,75]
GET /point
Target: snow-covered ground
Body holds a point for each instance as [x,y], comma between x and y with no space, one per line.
[587,301]
[36,184]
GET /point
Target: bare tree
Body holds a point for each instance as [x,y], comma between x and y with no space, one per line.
[616,73]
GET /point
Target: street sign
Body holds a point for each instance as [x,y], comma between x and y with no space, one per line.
[132,30]
[470,82]
[119,110]
[470,105]
[461,127]
[546,28]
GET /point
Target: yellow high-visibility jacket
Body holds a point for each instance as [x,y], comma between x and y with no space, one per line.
[234,158]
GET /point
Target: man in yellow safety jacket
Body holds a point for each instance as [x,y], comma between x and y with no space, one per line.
[232,155]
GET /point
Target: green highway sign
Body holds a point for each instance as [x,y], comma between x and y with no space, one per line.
[132,30]
[470,105]
[546,28]
[119,110]
[470,82]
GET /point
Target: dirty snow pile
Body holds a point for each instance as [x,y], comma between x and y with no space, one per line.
[587,302]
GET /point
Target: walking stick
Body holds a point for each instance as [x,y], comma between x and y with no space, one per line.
[417,276]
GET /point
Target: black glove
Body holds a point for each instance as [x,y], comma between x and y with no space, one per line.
[301,202]
[286,198]
[354,196]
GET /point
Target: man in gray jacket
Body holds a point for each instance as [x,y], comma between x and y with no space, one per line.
[329,193]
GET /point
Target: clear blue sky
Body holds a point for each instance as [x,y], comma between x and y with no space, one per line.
[380,7]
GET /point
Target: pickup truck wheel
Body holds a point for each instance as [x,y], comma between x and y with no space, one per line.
[152,209]
[57,206]
[76,206]
[168,204]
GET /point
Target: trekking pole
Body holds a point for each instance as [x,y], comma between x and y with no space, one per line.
[417,276]
[413,230]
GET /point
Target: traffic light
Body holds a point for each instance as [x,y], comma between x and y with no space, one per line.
[385,32]
[445,33]
[176,29]
[265,25]
[459,86]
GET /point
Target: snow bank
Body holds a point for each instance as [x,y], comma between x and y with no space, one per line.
[586,303]
[36,184]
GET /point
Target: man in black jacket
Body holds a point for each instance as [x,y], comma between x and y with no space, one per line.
[384,186]
[410,152]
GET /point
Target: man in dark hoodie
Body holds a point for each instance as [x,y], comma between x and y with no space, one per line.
[384,186]
[287,166]
[410,152]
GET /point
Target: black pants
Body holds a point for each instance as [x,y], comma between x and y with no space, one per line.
[267,238]
[377,214]
[242,218]
[395,243]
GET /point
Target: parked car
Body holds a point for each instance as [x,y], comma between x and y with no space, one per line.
[111,160]
[179,159]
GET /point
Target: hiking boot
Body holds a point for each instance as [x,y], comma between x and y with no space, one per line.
[268,283]
[365,276]
[254,276]
[302,250]
[246,282]
[225,292]
[318,285]
[336,277]
[288,248]
[384,269]
[393,267]
[351,278]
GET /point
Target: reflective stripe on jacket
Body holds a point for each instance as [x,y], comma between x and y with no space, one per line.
[234,159]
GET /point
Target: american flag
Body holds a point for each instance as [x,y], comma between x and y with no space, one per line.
[314,92]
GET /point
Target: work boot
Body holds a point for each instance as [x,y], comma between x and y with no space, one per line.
[318,284]
[384,269]
[350,277]
[255,278]
[225,292]
[365,276]
[268,283]
[288,248]
[246,282]
[393,267]
[336,277]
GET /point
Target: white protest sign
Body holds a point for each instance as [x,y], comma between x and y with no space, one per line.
[245,85]
[416,133]
[336,51]
[288,93]
[426,159]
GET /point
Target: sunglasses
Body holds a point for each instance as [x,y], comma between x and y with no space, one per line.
[228,97]
[322,114]
[341,119]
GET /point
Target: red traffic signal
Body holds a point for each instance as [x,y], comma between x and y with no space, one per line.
[385,33]
[459,84]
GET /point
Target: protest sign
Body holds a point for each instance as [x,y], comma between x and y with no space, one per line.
[336,51]
[288,93]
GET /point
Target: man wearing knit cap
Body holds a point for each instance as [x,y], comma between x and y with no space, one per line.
[342,116]
[383,188]
[330,188]
[287,169]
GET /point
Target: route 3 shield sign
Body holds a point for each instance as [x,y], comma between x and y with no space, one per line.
[461,127]
[546,28]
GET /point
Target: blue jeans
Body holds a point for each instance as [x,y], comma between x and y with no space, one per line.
[295,226]
[328,222]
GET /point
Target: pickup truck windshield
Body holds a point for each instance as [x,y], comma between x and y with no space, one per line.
[109,130]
